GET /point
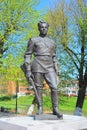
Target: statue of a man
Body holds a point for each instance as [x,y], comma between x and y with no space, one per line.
[44,66]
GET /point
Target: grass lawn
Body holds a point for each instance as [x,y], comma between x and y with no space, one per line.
[66,104]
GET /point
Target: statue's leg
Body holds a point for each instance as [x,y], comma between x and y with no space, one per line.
[54,97]
[38,80]
[52,81]
[40,104]
[32,106]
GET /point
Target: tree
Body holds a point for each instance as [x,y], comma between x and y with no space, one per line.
[11,73]
[18,20]
[16,16]
[10,69]
[79,13]
[72,32]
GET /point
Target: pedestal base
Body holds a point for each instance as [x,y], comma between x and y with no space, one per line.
[46,117]
[69,122]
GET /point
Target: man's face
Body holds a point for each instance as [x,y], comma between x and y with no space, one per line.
[43,29]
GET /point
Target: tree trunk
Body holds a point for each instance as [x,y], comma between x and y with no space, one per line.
[1,50]
[81,94]
[80,98]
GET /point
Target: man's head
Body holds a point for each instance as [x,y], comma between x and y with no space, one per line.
[43,28]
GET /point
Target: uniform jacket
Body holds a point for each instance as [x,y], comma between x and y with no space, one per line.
[44,51]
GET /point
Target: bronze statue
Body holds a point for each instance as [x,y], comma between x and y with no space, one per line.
[44,66]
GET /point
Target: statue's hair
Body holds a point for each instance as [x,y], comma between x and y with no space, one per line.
[41,22]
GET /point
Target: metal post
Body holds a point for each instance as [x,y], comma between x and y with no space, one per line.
[16,96]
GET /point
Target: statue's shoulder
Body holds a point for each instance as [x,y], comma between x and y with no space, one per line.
[51,40]
[34,39]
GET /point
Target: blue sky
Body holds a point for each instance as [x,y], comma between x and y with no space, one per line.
[44,5]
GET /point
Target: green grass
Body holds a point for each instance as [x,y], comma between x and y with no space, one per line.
[23,101]
[66,104]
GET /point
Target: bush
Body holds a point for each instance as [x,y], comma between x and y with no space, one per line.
[5,98]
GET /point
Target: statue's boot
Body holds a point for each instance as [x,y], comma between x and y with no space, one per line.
[54,97]
[40,108]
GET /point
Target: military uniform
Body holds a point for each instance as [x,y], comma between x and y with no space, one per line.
[45,61]
[43,66]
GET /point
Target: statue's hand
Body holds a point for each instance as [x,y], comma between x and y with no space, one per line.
[30,80]
[58,73]
[28,74]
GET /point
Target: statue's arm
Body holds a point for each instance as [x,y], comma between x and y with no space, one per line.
[27,57]
[55,62]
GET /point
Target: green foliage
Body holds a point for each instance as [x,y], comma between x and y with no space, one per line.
[18,19]
[69,27]
[15,14]
[58,20]
[5,98]
[10,70]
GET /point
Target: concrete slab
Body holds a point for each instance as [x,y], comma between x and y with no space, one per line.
[69,122]
[49,116]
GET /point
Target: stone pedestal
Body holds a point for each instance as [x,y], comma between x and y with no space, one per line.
[46,117]
[69,122]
